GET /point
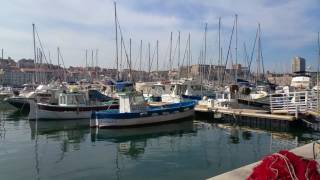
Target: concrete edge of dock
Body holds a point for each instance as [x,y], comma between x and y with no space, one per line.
[305,151]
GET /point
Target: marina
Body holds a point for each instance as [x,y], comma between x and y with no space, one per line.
[170,90]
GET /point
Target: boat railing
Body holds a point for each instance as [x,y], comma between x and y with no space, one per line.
[298,102]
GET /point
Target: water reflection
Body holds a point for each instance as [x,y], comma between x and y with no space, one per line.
[183,150]
[133,141]
[69,132]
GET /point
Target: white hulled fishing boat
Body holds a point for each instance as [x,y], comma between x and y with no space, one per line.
[133,111]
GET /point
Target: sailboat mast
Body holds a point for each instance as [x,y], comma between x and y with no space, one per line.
[157,57]
[92,65]
[130,75]
[189,54]
[97,57]
[149,61]
[96,69]
[236,75]
[219,59]
[34,53]
[205,46]
[179,53]
[140,70]
[58,55]
[116,29]
[170,54]
[318,69]
[258,54]
[86,58]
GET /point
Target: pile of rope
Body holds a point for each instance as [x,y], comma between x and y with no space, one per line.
[285,165]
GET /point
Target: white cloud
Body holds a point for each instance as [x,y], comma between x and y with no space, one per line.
[75,25]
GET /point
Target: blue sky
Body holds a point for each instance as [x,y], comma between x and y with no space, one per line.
[289,28]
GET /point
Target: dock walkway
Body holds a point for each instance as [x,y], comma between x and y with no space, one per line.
[305,151]
[247,113]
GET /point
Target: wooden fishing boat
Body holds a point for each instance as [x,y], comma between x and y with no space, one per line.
[70,106]
[134,111]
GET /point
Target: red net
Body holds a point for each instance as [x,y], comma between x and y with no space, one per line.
[285,165]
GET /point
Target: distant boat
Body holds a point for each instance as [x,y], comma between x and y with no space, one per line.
[134,111]
[5,92]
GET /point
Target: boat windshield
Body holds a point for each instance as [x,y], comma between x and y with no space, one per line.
[138,100]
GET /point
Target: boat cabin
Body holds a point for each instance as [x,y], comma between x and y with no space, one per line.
[72,99]
[131,102]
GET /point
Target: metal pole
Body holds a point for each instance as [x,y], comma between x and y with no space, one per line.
[34,52]
[149,65]
[205,46]
[236,77]
[130,75]
[170,60]
[219,60]
[86,58]
[318,72]
[157,57]
[189,55]
[116,29]
[140,70]
[179,53]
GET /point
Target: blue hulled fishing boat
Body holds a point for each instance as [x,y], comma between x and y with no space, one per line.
[134,111]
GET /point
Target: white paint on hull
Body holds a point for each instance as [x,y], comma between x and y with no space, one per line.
[36,113]
[142,120]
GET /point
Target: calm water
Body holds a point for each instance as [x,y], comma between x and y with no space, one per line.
[185,150]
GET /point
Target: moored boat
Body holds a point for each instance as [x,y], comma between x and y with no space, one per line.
[134,111]
[70,106]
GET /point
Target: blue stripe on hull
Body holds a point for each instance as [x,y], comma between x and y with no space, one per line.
[152,111]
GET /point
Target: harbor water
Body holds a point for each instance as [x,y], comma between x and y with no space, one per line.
[190,149]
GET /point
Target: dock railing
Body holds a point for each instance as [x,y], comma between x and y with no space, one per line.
[298,102]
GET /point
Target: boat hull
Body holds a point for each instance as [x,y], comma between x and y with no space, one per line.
[54,112]
[141,120]
[20,103]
